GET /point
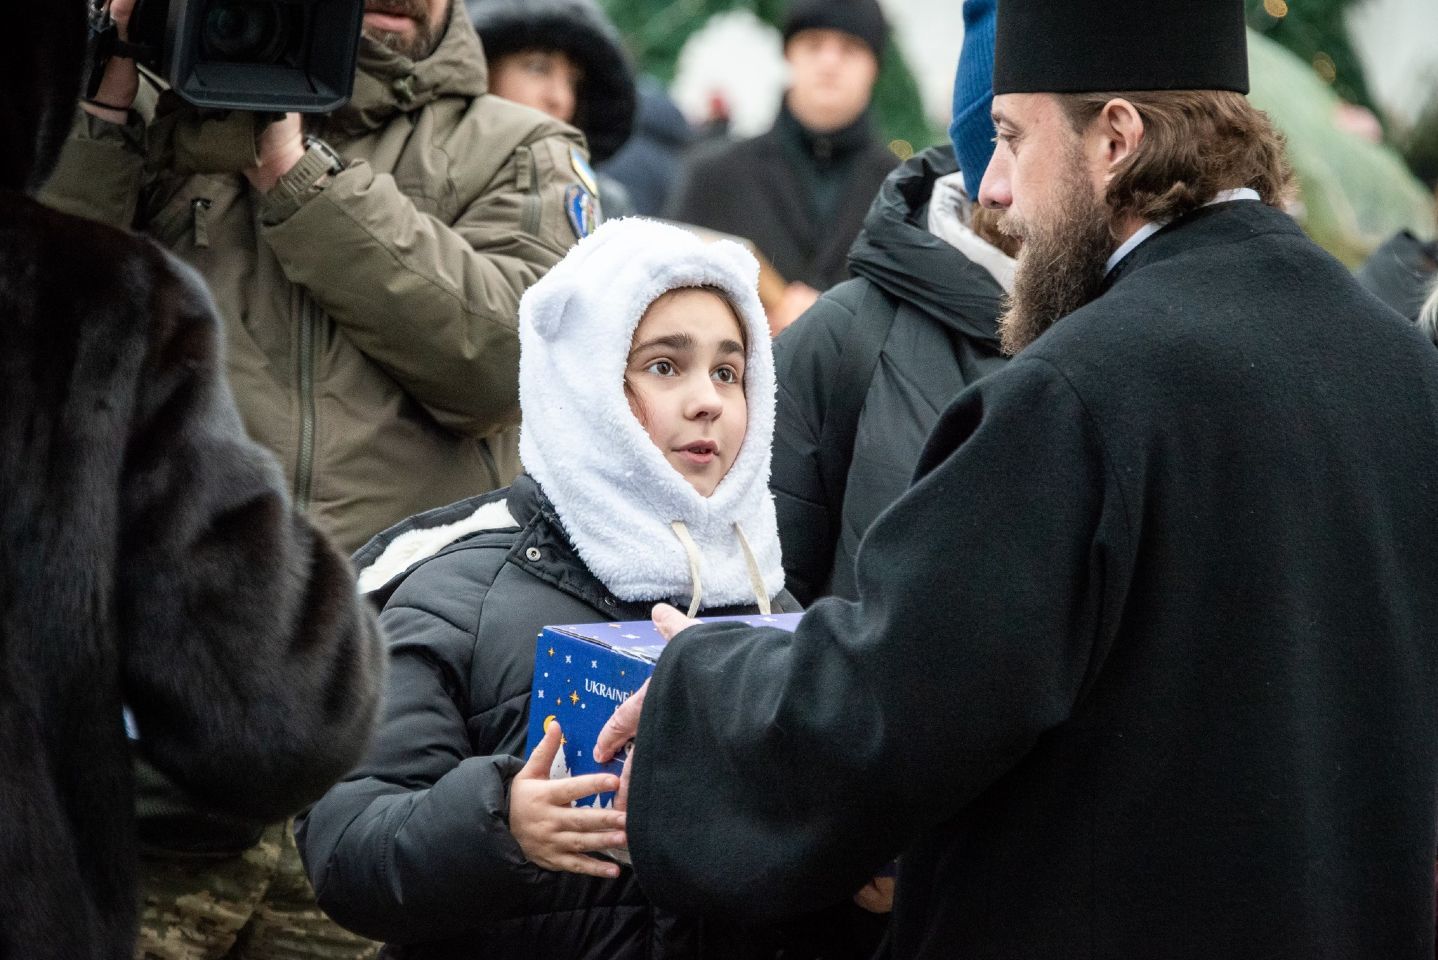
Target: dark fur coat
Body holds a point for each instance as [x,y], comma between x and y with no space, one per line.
[149,555]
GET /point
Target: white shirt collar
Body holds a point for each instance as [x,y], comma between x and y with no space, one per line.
[1149,229]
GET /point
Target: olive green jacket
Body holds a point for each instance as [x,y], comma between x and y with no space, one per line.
[370,317]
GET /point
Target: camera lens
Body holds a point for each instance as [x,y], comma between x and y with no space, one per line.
[247,31]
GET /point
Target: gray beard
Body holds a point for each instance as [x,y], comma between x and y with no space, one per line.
[1061,266]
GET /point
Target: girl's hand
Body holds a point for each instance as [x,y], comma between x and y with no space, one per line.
[552,834]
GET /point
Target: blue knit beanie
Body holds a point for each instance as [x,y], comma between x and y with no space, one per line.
[973,128]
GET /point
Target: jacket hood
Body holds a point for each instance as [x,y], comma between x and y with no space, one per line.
[45,50]
[659,117]
[389,83]
[896,251]
[638,525]
[579,29]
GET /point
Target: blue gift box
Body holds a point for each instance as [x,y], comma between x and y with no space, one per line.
[583,671]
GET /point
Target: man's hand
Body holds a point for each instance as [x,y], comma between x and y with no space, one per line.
[877,896]
[670,622]
[552,834]
[121,81]
[621,727]
[624,724]
[618,730]
[280,146]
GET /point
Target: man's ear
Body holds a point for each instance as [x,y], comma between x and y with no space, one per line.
[1120,129]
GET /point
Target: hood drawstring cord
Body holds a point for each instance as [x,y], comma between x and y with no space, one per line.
[756,579]
[691,550]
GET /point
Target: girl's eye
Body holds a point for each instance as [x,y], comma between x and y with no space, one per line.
[726,375]
[660,368]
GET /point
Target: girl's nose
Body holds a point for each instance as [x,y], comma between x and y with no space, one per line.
[705,401]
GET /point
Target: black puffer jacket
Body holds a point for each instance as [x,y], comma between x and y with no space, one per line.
[944,336]
[1401,272]
[414,847]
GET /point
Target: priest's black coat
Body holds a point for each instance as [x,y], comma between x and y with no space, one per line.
[1143,665]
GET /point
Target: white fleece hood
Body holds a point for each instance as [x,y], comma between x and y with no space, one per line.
[616,495]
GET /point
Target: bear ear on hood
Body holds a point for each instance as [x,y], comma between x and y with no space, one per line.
[543,307]
[41,72]
[740,260]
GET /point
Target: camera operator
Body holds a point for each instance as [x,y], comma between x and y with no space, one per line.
[367,266]
[368,263]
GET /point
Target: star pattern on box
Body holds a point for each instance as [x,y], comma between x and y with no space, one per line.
[604,665]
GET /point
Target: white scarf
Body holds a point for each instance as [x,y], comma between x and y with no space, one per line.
[616,495]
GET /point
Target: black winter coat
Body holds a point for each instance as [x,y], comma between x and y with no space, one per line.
[1143,664]
[1401,273]
[152,559]
[648,164]
[759,189]
[414,848]
[943,310]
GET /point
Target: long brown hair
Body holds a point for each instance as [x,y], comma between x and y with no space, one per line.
[1196,143]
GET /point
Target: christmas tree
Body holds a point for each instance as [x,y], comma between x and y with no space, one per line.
[1317,31]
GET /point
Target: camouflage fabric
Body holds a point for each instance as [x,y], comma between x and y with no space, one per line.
[257,906]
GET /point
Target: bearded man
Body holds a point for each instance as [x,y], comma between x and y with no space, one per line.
[367,267]
[1142,665]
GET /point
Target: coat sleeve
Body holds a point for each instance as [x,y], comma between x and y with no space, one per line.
[983,595]
[415,845]
[100,172]
[805,358]
[250,666]
[434,304]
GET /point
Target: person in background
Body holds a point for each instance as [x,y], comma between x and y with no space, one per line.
[1400,272]
[1142,664]
[865,373]
[800,191]
[648,164]
[1428,315]
[367,265]
[564,58]
[648,391]
[155,578]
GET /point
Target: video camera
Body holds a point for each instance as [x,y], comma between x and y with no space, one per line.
[269,56]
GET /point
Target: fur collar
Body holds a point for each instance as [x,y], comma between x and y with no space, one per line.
[614,493]
[420,542]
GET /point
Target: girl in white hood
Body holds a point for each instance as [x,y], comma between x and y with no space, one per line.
[647,388]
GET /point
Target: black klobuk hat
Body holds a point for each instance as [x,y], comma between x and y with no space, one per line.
[1089,46]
